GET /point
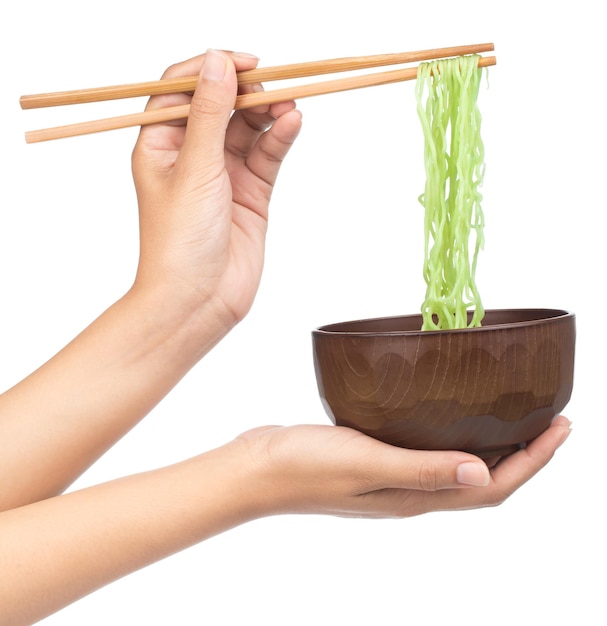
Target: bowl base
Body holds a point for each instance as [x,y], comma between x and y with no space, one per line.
[501,451]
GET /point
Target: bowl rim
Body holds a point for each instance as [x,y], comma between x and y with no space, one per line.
[542,315]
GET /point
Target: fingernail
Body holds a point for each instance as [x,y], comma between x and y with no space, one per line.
[473,474]
[214,67]
[564,436]
[562,420]
[245,55]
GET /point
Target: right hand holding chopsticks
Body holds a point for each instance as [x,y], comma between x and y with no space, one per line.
[204,185]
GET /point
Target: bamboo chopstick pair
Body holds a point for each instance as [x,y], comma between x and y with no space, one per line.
[186,84]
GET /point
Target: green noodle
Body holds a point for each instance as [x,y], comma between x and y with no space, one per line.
[446,92]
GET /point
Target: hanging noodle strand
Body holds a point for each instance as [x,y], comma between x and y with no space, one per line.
[446,93]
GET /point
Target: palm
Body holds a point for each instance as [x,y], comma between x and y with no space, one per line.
[222,225]
[332,469]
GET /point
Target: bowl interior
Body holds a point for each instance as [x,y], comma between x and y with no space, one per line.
[412,323]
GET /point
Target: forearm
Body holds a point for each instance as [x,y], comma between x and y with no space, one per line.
[65,415]
[58,550]
[55,551]
[203,191]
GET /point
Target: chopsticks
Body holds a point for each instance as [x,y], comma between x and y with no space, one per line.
[243,101]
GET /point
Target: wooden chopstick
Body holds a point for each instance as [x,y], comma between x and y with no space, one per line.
[242,102]
[259,75]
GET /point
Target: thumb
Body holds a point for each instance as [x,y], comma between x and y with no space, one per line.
[435,470]
[429,470]
[210,111]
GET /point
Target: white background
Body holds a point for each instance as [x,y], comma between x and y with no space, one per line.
[345,242]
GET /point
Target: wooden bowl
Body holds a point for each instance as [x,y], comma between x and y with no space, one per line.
[484,390]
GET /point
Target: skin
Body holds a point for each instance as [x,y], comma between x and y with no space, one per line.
[203,194]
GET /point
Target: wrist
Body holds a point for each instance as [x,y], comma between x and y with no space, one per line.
[239,487]
[192,320]
[275,477]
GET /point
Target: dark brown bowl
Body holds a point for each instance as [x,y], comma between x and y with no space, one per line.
[484,390]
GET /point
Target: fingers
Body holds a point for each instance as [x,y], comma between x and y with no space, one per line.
[429,491]
[167,138]
[192,67]
[268,153]
[212,126]
[434,471]
[210,111]
[337,470]
[390,467]
[246,126]
[516,469]
[510,473]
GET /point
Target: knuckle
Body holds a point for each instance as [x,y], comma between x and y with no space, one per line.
[172,71]
[258,123]
[496,497]
[427,477]
[206,105]
[270,154]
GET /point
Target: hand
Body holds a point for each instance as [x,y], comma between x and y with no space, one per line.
[339,471]
[270,470]
[203,192]
[204,188]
